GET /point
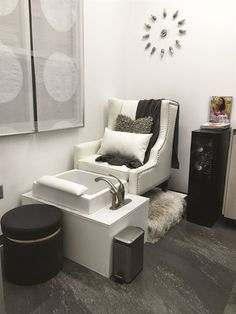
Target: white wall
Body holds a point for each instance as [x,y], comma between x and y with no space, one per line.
[116,65]
[24,158]
[201,68]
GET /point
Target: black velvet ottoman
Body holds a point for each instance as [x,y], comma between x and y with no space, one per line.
[32,243]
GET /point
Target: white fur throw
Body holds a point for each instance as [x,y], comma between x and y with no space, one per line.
[166,210]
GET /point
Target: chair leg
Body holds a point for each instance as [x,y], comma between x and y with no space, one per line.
[164,186]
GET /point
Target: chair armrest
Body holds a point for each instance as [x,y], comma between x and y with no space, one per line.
[143,178]
[157,150]
[150,175]
[85,149]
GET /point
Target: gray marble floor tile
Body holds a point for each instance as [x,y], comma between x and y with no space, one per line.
[191,270]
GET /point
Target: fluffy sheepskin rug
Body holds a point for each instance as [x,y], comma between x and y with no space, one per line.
[166,209]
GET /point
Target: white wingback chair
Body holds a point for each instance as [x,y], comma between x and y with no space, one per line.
[156,171]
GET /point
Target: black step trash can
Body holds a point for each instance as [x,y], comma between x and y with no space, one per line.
[32,243]
[128,254]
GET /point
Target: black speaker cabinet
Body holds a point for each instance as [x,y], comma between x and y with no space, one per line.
[208,163]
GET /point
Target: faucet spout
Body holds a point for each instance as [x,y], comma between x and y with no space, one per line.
[113,191]
[118,194]
[107,181]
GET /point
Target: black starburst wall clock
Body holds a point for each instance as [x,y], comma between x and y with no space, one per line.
[164,33]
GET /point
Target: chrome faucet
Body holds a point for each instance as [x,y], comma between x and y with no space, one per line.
[113,191]
[120,191]
[118,194]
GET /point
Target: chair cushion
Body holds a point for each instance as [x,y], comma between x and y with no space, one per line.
[125,144]
[126,124]
[30,222]
[89,164]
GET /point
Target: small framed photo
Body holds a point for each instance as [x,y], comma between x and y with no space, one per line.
[220,109]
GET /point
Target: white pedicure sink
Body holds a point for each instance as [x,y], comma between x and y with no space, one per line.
[96,197]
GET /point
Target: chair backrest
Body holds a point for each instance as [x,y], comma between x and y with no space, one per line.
[119,106]
[129,107]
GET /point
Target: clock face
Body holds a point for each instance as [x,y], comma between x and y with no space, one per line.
[163,33]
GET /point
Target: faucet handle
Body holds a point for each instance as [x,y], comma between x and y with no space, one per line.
[121,186]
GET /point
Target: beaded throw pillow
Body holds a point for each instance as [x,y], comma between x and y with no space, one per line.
[126,124]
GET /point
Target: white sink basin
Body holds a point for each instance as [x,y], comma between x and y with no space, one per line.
[96,197]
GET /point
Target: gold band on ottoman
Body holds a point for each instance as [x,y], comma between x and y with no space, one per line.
[36,240]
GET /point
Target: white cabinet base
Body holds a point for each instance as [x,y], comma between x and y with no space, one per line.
[88,238]
[229,210]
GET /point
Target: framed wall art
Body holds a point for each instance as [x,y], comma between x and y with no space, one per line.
[41,65]
[16,98]
[58,63]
